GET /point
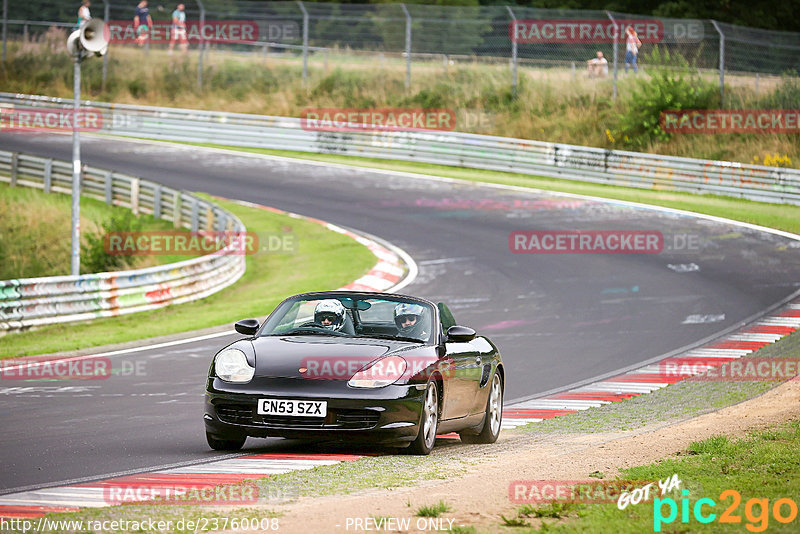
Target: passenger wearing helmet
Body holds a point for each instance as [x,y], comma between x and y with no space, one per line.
[330,314]
[410,321]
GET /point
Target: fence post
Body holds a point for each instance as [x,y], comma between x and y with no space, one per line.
[305,40]
[14,165]
[106,12]
[513,52]
[200,48]
[5,30]
[408,46]
[48,175]
[616,53]
[721,63]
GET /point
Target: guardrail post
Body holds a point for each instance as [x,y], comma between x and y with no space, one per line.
[305,40]
[616,53]
[157,201]
[14,165]
[109,187]
[195,216]
[176,210]
[408,45]
[135,196]
[48,175]
[513,52]
[721,63]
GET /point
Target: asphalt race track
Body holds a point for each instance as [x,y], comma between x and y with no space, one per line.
[557,318]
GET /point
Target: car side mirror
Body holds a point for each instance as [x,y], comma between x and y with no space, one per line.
[460,334]
[247,327]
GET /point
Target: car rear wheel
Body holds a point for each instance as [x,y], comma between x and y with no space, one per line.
[226,443]
[428,422]
[493,418]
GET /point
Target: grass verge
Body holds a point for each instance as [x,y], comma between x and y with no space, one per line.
[745,477]
[269,278]
[781,217]
[35,233]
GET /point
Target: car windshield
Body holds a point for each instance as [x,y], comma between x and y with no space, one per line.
[352,316]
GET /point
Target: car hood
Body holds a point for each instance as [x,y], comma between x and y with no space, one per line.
[323,357]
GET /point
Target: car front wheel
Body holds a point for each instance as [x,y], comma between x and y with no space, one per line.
[429,421]
[493,418]
[226,443]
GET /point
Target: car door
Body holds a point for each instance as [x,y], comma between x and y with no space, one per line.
[463,373]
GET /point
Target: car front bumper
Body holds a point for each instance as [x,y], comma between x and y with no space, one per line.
[388,415]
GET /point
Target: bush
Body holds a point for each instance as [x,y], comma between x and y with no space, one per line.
[670,86]
[94,258]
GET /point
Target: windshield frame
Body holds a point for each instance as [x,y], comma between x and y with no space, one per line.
[282,308]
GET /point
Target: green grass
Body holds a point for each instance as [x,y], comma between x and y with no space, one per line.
[270,277]
[35,232]
[762,465]
[433,510]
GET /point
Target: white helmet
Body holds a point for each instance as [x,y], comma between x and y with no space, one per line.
[405,311]
[331,310]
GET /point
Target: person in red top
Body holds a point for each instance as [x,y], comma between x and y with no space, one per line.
[632,44]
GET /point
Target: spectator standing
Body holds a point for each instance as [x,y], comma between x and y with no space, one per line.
[632,44]
[142,23]
[178,30]
[83,13]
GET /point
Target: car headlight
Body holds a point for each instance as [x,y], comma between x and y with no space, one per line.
[231,366]
[379,373]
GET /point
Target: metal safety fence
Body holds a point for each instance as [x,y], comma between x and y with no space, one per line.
[31,302]
[434,37]
[588,164]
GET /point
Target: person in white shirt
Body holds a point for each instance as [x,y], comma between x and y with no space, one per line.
[83,13]
[632,44]
[178,29]
[597,66]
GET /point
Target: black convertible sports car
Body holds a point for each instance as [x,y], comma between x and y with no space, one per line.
[344,365]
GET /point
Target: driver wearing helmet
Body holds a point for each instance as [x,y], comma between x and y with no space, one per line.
[410,322]
[330,314]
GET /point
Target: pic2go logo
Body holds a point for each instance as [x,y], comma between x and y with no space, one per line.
[758,520]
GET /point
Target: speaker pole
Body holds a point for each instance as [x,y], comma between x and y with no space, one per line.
[75,258]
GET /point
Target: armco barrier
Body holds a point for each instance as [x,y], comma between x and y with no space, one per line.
[29,302]
[613,167]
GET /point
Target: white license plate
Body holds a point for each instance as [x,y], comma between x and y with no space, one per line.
[292,408]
